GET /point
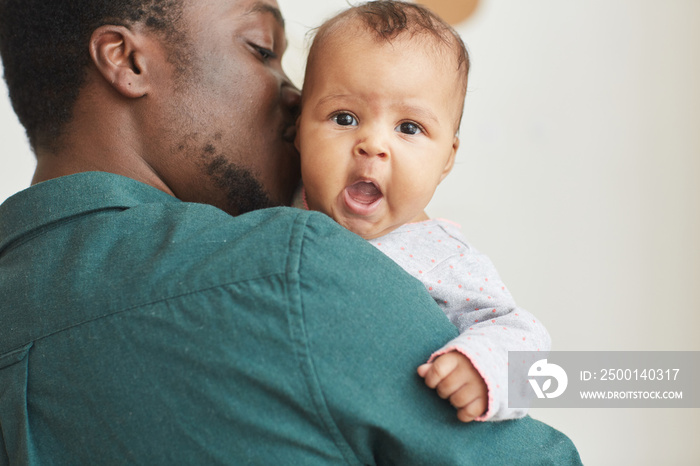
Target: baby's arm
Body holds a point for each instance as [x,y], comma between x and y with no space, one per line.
[468,288]
[490,325]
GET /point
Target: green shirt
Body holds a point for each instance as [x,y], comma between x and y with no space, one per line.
[135,328]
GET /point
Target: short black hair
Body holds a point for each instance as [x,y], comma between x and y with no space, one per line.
[44,46]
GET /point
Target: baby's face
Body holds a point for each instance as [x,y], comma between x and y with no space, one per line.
[377,130]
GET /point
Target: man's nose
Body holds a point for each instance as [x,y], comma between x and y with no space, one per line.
[291,98]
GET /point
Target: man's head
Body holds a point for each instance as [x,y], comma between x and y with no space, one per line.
[44,47]
[186,95]
[382,101]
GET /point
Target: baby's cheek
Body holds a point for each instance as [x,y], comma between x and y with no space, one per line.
[417,196]
[318,198]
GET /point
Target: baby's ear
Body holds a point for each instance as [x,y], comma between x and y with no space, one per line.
[451,159]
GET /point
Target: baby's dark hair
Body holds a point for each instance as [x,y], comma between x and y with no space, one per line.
[389,19]
[44,45]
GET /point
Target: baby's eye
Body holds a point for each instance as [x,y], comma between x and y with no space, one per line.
[344,119]
[408,127]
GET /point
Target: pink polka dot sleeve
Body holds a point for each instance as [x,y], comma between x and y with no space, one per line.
[467,287]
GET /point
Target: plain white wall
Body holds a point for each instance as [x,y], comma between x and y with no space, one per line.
[16,158]
[577,174]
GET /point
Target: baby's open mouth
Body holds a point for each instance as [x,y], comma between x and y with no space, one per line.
[364,192]
[363,198]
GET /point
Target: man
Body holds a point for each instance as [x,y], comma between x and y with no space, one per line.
[138,328]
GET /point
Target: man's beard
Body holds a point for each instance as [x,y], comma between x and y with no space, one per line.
[244,193]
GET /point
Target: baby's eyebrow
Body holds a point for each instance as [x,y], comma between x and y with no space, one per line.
[423,114]
[332,97]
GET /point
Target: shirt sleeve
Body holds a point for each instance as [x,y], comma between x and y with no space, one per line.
[365,327]
[490,325]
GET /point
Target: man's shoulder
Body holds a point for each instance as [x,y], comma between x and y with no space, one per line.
[191,247]
[268,237]
[86,263]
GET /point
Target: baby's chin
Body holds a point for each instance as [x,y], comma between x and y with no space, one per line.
[369,228]
[366,229]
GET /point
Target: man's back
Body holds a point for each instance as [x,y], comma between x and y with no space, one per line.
[136,328]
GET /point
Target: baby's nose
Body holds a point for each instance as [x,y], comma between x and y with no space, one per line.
[372,146]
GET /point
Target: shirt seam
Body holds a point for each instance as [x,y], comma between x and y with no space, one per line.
[8,244]
[305,360]
[139,306]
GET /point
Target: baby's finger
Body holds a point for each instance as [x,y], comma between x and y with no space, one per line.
[464,395]
[423,369]
[464,416]
[454,382]
[473,410]
[440,368]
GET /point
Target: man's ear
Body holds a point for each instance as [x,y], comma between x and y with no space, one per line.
[119,55]
[451,160]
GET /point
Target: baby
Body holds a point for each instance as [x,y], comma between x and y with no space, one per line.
[381,106]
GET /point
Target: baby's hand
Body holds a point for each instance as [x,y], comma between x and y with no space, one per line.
[453,376]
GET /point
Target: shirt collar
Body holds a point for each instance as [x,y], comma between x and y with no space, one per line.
[60,198]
